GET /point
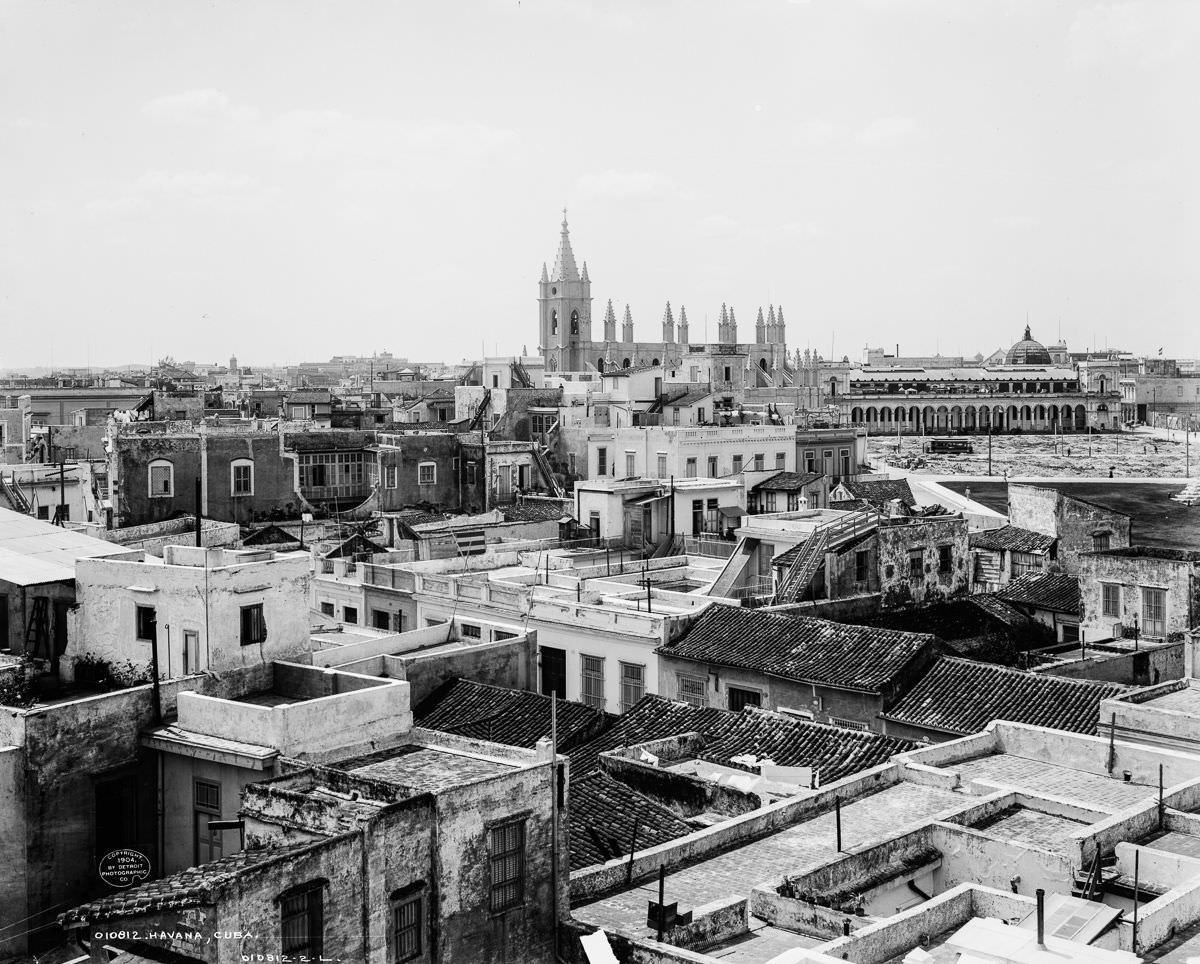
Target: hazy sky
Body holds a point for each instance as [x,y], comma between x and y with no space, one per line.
[292,180]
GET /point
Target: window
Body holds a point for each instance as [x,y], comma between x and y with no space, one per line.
[690,468]
[675,415]
[737,464]
[162,479]
[594,522]
[571,462]
[740,698]
[945,559]
[862,562]
[1154,612]
[326,609]
[241,477]
[662,465]
[389,476]
[781,460]
[793,501]
[381,619]
[302,921]
[471,632]
[147,623]
[844,456]
[254,627]
[592,690]
[601,460]
[426,473]
[633,684]
[916,563]
[728,373]
[760,461]
[1110,599]
[1023,562]
[506,854]
[770,502]
[406,926]
[630,465]
[350,614]
[693,690]
[1101,540]
[206,806]
[700,413]
[554,671]
[43,512]
[712,467]
[810,461]
[495,381]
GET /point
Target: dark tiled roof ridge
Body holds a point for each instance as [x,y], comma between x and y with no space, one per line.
[1016,671]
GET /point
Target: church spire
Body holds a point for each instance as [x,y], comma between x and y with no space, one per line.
[760,329]
[583,275]
[610,323]
[668,325]
[545,274]
[722,325]
[682,337]
[780,332]
[564,264]
[732,327]
[627,326]
[771,339]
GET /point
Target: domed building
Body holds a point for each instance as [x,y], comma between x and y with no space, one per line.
[1028,352]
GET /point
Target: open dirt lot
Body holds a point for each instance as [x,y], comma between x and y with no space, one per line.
[1126,455]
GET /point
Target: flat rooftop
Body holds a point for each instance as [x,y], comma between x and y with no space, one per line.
[769,859]
[1039,778]
[424,768]
[1031,826]
[1186,700]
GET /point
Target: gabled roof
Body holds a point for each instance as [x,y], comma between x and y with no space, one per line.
[962,618]
[800,648]
[961,696]
[604,814]
[1043,590]
[357,544]
[787,481]
[880,491]
[188,888]
[535,510]
[1011,539]
[502,715]
[727,734]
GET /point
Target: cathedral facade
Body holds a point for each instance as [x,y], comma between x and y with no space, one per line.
[568,342]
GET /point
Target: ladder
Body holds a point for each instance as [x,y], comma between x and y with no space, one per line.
[543,464]
[521,375]
[803,567]
[477,418]
[37,631]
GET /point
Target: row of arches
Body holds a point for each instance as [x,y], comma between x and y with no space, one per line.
[982,418]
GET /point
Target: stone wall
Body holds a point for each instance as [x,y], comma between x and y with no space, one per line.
[899,586]
[1074,522]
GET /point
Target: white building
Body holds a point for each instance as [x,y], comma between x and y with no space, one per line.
[201,609]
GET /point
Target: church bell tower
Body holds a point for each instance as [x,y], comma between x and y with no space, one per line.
[565,310]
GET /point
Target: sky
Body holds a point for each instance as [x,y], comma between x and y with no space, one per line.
[291,180]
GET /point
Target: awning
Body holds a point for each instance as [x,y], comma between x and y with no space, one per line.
[647,500]
[732,512]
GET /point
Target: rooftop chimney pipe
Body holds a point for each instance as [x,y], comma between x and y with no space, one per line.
[1041,917]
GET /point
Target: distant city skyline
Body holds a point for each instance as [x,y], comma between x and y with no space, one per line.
[290,183]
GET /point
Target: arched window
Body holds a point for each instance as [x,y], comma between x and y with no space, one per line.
[656,362]
[554,322]
[833,386]
[574,322]
[625,363]
[241,477]
[162,479]
[599,364]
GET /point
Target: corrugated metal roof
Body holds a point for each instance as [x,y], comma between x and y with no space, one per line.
[34,552]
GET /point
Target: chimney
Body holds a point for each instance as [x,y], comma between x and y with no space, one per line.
[1041,917]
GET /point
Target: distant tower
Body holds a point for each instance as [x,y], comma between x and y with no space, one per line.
[723,326]
[683,326]
[668,325]
[233,365]
[610,323]
[565,309]
[627,326]
[760,329]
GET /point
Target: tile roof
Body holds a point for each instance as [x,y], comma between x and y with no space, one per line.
[787,481]
[962,696]
[502,715]
[1044,590]
[603,813]
[799,648]
[1011,539]
[535,510]
[953,619]
[188,888]
[786,740]
[879,491]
